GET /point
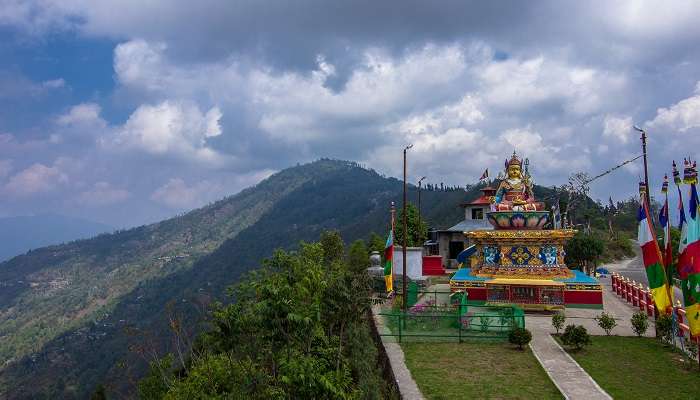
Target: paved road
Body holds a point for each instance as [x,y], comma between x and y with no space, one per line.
[633,268]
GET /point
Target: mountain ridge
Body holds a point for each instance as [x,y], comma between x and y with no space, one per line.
[294,204]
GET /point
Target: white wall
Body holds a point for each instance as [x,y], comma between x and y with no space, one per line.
[414,261]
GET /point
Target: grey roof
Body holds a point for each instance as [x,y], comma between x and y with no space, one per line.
[471,225]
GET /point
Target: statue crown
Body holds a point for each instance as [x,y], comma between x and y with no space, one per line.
[514,160]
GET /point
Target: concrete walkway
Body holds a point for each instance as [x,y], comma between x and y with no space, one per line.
[408,389]
[571,380]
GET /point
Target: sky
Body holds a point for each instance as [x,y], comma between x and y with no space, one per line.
[127,112]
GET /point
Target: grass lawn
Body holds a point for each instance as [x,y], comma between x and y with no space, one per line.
[638,368]
[477,370]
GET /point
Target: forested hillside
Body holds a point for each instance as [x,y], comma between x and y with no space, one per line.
[19,234]
[93,311]
[77,308]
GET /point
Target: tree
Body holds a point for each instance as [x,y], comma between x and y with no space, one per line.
[640,323]
[558,320]
[520,337]
[296,330]
[583,250]
[376,243]
[99,393]
[417,233]
[606,322]
[358,256]
[576,336]
[333,247]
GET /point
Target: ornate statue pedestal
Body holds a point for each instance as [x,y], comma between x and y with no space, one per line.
[518,219]
[519,262]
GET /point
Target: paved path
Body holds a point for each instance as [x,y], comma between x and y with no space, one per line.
[573,382]
[408,388]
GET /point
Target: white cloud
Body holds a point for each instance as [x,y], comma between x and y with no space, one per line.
[103,193]
[681,116]
[37,178]
[178,195]
[177,128]
[617,127]
[517,84]
[5,167]
[84,114]
[54,83]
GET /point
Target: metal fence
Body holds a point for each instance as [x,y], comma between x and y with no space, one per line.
[444,316]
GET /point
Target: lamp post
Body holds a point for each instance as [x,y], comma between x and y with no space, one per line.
[405,231]
[420,182]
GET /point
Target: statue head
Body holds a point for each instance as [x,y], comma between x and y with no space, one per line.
[514,172]
[514,167]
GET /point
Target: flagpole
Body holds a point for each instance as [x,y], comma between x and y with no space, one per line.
[667,236]
[393,239]
[646,171]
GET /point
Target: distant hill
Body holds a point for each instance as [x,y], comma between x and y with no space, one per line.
[69,313]
[20,234]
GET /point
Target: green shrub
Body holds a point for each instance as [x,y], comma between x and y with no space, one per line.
[484,321]
[558,320]
[576,336]
[606,322]
[520,337]
[664,327]
[640,323]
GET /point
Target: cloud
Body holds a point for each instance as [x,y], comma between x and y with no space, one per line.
[177,128]
[102,194]
[178,195]
[617,127]
[54,83]
[679,117]
[36,179]
[84,114]
[5,167]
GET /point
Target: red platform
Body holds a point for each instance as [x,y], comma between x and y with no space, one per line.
[432,265]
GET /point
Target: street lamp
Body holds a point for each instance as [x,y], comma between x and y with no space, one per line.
[405,230]
[420,181]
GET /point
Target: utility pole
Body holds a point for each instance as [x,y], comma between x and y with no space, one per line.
[420,182]
[405,232]
[646,171]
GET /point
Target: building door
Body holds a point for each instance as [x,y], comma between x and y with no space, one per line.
[455,249]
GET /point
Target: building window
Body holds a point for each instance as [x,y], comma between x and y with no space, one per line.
[455,249]
[477,213]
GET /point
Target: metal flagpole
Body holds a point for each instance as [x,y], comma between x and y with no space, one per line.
[405,230]
[393,240]
[646,171]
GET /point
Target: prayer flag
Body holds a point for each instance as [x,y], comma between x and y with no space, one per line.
[389,262]
[653,261]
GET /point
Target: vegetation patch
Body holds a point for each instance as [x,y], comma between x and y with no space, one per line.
[638,368]
[477,370]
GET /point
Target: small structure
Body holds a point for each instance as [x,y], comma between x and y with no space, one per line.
[519,262]
[451,241]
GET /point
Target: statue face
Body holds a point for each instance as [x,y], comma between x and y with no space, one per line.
[514,172]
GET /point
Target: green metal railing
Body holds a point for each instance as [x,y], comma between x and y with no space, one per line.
[445,315]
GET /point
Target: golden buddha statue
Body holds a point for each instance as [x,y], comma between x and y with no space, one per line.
[515,190]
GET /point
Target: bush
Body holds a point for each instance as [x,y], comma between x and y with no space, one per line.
[664,327]
[640,323]
[520,336]
[576,336]
[558,320]
[606,322]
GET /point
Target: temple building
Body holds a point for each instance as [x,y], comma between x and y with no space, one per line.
[518,262]
[452,241]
